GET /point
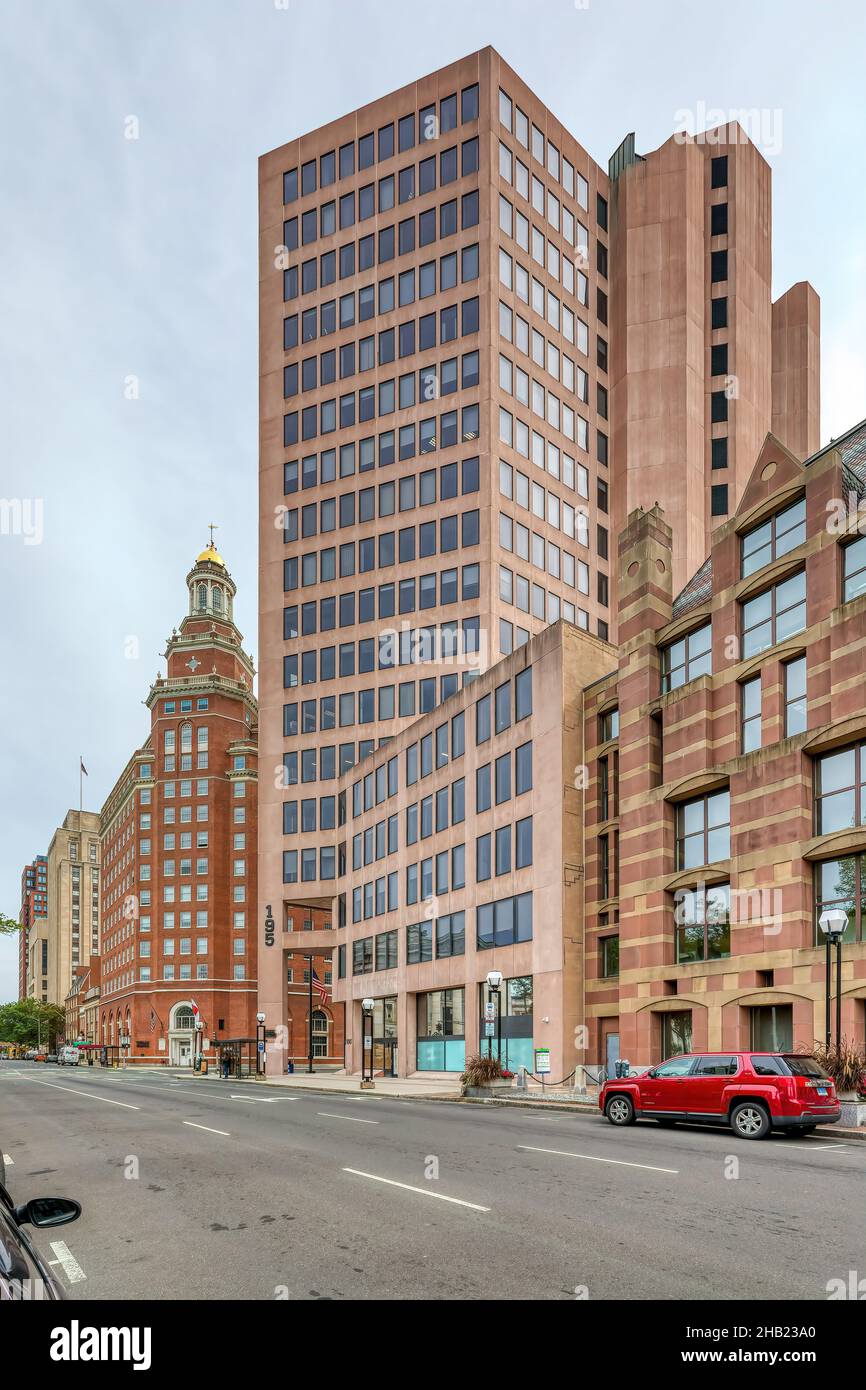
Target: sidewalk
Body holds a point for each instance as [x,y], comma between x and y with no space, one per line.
[434,1086]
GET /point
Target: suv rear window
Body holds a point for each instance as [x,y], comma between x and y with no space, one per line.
[768,1065]
[805,1066]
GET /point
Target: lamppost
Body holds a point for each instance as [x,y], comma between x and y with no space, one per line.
[199,1046]
[833,924]
[309,960]
[260,1044]
[367,1082]
[494,982]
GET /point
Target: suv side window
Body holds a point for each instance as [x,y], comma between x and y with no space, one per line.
[767,1066]
[677,1066]
[717,1066]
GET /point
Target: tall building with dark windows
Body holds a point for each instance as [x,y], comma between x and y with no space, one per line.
[447,417]
[704,363]
[34,909]
[434,466]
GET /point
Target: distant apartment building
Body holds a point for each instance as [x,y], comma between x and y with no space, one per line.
[179,847]
[640,840]
[72,928]
[450,354]
[34,906]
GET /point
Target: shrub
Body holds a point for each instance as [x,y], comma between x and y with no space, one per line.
[846,1064]
[480,1071]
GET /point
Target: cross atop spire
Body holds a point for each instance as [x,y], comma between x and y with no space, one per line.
[212,526]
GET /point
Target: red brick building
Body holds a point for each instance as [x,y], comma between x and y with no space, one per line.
[179,846]
[727,773]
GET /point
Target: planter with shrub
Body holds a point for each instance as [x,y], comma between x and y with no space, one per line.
[484,1077]
[846,1065]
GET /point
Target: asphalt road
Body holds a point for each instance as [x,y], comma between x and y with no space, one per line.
[201,1188]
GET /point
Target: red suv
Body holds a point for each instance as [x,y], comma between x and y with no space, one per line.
[753,1092]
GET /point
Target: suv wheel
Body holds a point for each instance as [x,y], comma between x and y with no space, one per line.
[750,1120]
[620,1111]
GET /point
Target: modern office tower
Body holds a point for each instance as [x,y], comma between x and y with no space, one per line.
[179,847]
[34,904]
[72,927]
[434,481]
[703,363]
[478,353]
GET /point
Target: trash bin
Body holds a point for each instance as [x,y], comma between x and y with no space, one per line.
[291,1068]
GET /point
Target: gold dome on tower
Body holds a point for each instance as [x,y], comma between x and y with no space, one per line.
[212,554]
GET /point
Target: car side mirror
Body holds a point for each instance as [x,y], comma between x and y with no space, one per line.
[48,1211]
[652,1072]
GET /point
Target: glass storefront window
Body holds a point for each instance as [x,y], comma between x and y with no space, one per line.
[441,1042]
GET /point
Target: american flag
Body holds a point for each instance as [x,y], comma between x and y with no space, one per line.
[321,990]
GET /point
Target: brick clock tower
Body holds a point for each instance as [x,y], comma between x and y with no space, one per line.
[179,830]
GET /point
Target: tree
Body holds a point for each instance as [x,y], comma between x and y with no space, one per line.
[8,925]
[24,1020]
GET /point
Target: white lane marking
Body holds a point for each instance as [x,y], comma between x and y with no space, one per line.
[352,1119]
[245,1100]
[192,1124]
[818,1148]
[91,1095]
[422,1191]
[71,1268]
[9,1161]
[593,1158]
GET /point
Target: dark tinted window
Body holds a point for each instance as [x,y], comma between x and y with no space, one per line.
[716,1065]
[804,1066]
[768,1066]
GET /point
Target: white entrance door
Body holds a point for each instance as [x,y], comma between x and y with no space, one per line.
[181,1052]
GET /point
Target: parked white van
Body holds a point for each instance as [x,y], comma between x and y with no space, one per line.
[69,1056]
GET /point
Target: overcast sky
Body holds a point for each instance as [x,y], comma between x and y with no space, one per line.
[133,262]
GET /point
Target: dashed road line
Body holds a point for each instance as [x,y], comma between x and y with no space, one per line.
[593,1158]
[352,1119]
[91,1095]
[421,1191]
[192,1124]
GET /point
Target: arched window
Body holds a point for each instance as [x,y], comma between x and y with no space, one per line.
[217,596]
[186,738]
[183,1017]
[320,1034]
[202,598]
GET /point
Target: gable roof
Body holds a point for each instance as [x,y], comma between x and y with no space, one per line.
[852,450]
[698,590]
